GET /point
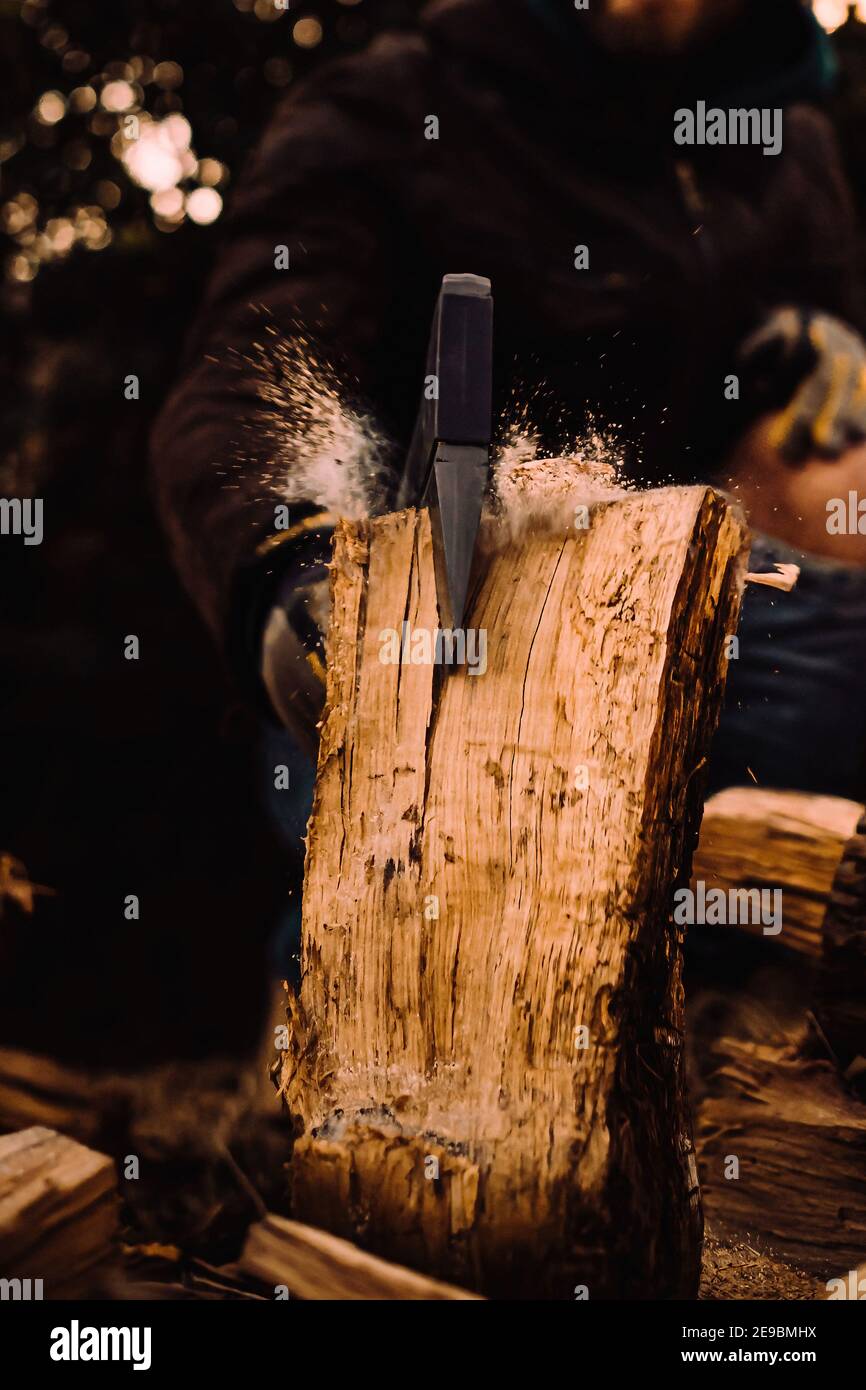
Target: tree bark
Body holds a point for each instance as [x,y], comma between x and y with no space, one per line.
[485,1063]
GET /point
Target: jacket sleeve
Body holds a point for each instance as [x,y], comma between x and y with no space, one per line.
[821,265]
[252,401]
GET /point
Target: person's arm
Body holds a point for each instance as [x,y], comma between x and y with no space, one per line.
[255,421]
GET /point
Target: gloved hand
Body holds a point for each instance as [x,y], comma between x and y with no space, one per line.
[293,643]
[812,368]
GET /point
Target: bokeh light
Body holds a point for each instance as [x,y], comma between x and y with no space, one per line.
[168,75]
[118,96]
[211,172]
[51,108]
[307,32]
[204,206]
[267,11]
[82,99]
[832,13]
[159,156]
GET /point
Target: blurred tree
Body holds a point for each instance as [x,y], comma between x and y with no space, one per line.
[125,777]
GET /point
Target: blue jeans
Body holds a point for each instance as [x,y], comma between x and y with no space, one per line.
[289,812]
[795,703]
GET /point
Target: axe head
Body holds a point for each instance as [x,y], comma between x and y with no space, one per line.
[448,464]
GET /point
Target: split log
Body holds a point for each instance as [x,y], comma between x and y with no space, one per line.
[841,994]
[799,1140]
[781,1138]
[485,1063]
[754,837]
[314,1265]
[58,1210]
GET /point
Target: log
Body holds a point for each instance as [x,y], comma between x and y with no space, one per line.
[756,837]
[58,1211]
[314,1265]
[36,1090]
[767,1087]
[799,1138]
[840,1004]
[484,1066]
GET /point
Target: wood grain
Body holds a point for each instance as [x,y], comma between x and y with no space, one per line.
[58,1209]
[759,837]
[451,1113]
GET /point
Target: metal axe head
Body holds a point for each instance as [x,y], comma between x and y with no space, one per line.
[448,465]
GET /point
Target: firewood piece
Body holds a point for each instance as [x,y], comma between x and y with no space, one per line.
[35,1090]
[58,1209]
[315,1265]
[841,992]
[485,1064]
[753,837]
[800,1141]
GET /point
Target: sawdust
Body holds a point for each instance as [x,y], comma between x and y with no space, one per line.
[530,492]
[323,447]
[735,1269]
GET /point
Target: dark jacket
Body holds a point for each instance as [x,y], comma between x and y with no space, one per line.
[544,144]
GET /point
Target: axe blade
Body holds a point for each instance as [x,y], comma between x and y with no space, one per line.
[455,493]
[448,464]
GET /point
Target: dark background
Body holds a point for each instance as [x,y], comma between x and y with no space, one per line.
[138,777]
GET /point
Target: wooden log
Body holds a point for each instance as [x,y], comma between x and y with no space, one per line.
[58,1210]
[485,1064]
[781,1137]
[757,837]
[840,1005]
[314,1265]
[799,1139]
[36,1090]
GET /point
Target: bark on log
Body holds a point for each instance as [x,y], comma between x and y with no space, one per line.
[58,1210]
[755,837]
[315,1265]
[453,1115]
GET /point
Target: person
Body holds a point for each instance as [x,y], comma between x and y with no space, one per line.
[698,303]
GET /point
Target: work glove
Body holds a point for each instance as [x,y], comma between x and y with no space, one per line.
[292,662]
[811,368]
